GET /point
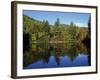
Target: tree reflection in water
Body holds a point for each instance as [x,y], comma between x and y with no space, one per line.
[44,52]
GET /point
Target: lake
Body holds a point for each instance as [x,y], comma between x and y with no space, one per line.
[55,55]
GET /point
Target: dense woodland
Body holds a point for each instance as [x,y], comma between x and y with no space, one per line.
[42,40]
[35,31]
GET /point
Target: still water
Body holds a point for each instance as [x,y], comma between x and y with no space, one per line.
[53,55]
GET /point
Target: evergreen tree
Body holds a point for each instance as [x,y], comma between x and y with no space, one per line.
[89,25]
[57,23]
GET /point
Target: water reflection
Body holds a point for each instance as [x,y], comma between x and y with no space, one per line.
[51,55]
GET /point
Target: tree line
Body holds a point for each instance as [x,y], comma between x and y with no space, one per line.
[42,31]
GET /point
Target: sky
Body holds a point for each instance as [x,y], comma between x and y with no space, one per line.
[80,19]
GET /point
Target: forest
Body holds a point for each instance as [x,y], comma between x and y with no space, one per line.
[41,40]
[35,31]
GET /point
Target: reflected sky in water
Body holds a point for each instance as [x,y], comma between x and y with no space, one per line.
[56,55]
[81,60]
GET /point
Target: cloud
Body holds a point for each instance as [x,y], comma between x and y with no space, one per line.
[81,25]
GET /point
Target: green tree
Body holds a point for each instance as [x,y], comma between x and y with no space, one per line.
[46,26]
[89,25]
[57,23]
[72,30]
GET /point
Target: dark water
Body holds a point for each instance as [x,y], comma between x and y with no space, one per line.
[53,55]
